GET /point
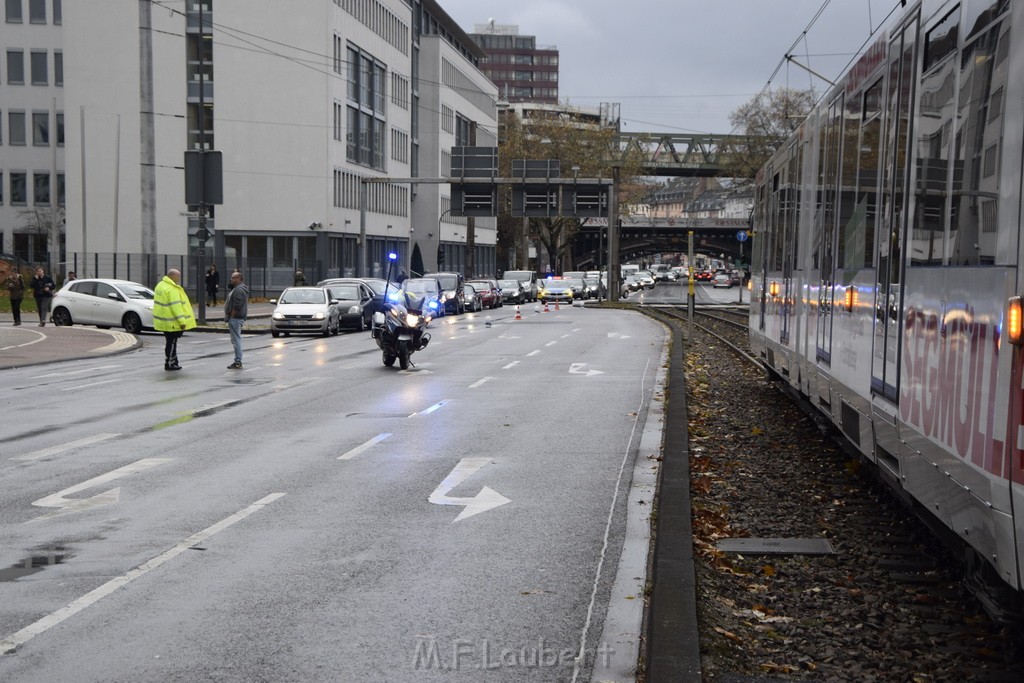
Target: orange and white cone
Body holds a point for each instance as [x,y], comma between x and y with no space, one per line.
[546,309]
[518,316]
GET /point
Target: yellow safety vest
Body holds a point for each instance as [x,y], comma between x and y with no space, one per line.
[172,311]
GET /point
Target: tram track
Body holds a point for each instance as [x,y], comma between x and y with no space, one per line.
[889,605]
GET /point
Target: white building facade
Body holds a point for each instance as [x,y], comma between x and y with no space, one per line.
[32,174]
[305,102]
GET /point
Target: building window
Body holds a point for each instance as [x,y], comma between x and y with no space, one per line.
[337,121]
[41,189]
[37,11]
[16,129]
[1,188]
[60,129]
[13,11]
[366,110]
[58,67]
[15,67]
[18,195]
[39,74]
[58,12]
[41,128]
[60,189]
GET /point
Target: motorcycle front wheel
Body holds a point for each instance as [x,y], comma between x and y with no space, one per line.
[403,355]
[389,359]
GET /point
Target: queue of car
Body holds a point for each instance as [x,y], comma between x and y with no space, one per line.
[351,302]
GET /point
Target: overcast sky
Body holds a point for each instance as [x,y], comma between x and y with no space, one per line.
[682,65]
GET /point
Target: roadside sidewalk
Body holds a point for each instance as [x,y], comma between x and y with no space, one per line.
[30,344]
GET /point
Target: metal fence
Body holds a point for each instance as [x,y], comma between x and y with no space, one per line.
[264,277]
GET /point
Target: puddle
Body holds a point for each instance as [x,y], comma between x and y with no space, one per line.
[36,562]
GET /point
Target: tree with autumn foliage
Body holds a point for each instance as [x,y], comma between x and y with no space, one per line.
[767,119]
[574,141]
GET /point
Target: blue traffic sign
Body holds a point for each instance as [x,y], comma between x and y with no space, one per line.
[742,235]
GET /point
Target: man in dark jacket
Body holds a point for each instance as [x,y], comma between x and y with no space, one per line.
[236,308]
[212,285]
[16,291]
[43,287]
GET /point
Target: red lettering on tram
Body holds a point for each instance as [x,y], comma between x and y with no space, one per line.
[949,387]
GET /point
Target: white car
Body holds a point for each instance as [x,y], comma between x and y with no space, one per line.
[305,309]
[105,303]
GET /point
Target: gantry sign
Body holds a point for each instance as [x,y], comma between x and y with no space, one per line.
[538,190]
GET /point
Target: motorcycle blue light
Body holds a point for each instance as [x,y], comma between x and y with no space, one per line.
[392,256]
[433,304]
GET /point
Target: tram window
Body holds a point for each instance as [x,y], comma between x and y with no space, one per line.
[849,243]
[873,100]
[978,14]
[940,41]
[934,130]
[974,228]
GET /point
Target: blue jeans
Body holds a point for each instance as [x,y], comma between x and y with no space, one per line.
[235,325]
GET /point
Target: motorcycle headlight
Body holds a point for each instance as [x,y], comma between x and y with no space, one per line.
[319,315]
[412,320]
[354,310]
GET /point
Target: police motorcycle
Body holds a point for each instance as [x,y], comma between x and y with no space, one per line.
[400,330]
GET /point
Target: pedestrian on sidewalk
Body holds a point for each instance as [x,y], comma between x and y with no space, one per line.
[236,308]
[172,315]
[16,290]
[212,285]
[42,287]
[300,279]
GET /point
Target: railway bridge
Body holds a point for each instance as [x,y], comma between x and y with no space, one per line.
[641,236]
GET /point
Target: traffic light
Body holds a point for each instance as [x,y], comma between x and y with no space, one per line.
[440,257]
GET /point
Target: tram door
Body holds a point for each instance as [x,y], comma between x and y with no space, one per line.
[832,148]
[788,201]
[888,302]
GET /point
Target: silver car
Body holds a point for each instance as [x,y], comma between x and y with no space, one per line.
[305,309]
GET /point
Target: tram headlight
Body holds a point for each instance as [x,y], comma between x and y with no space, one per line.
[850,298]
[1014,320]
[773,288]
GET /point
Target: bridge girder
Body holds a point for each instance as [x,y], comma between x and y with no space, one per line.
[674,154]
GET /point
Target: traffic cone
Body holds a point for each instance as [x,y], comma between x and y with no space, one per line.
[518,316]
[546,309]
[556,305]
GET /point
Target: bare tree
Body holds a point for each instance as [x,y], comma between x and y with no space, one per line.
[49,221]
[575,142]
[768,119]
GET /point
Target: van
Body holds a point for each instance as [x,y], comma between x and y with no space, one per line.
[527,278]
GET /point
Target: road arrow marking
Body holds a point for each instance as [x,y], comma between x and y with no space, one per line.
[68,505]
[577,369]
[481,502]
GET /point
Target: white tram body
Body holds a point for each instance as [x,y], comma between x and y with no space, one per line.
[887,255]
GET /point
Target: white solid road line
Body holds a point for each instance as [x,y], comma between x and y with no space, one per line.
[359,449]
[54,450]
[91,384]
[15,640]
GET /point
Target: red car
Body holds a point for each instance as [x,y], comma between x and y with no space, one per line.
[487,290]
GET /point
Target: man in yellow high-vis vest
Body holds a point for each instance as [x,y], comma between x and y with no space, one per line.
[172,315]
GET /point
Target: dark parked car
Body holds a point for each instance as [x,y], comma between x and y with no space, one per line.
[355,301]
[375,284]
[472,298]
[512,291]
[451,285]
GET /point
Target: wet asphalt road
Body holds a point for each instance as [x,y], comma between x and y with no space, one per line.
[318,516]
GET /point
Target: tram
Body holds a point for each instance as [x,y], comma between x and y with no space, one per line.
[886,273]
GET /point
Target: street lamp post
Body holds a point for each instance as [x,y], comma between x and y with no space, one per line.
[440,249]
